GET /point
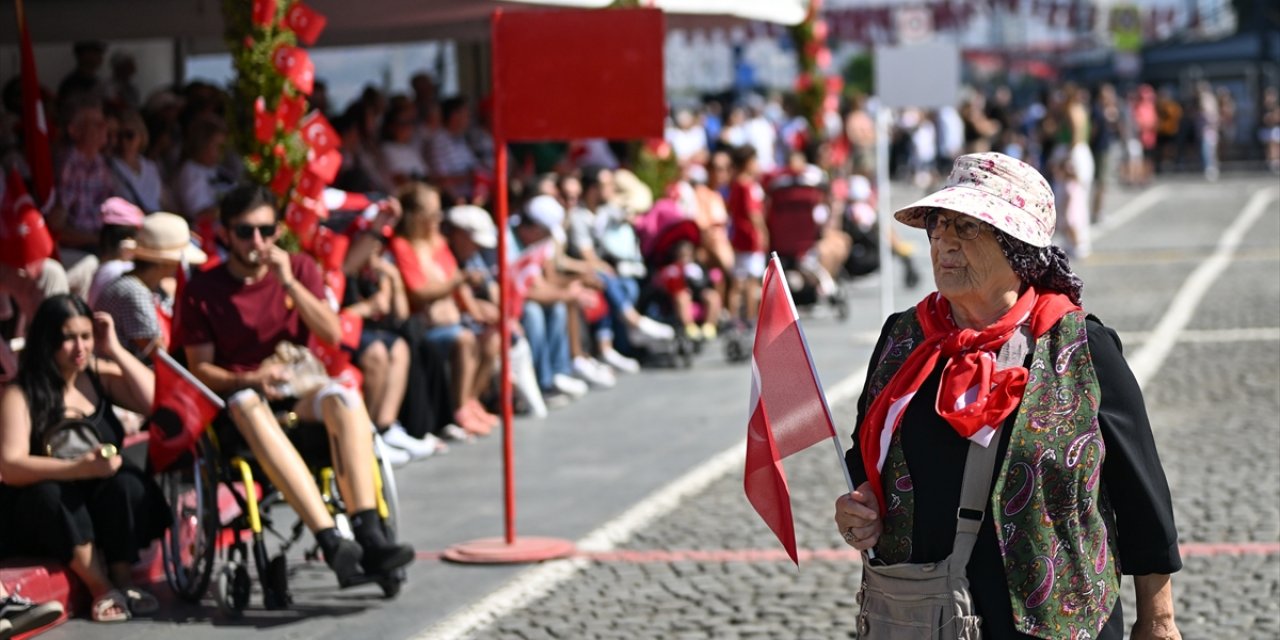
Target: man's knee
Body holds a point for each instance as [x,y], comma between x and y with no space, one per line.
[246,410]
[334,398]
[374,356]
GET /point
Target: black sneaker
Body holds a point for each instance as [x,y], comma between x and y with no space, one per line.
[385,558]
[23,615]
[345,561]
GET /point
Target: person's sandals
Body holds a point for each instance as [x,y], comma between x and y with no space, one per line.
[20,615]
[102,610]
[141,603]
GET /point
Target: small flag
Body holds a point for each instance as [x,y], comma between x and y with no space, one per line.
[326,166]
[330,248]
[182,408]
[290,110]
[306,22]
[25,241]
[264,122]
[295,65]
[319,134]
[283,180]
[310,185]
[264,12]
[788,410]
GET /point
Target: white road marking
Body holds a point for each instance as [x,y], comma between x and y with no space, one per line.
[1128,211]
[538,581]
[1146,362]
[1208,336]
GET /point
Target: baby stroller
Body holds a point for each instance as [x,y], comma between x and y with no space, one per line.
[793,234]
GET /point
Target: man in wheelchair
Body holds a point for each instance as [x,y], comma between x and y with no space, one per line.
[232,319]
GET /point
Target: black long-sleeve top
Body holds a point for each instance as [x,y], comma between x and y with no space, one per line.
[1147,540]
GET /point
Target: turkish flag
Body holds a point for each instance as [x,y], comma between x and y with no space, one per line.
[352,325]
[330,248]
[303,221]
[334,358]
[264,122]
[264,12]
[325,166]
[337,283]
[283,180]
[788,409]
[310,185]
[35,127]
[290,110]
[25,241]
[295,65]
[182,408]
[305,21]
[319,134]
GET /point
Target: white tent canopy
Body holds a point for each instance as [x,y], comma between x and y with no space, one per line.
[199,22]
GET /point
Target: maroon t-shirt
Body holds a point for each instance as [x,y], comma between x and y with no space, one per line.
[245,321]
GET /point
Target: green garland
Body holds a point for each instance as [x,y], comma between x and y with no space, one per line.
[811,87]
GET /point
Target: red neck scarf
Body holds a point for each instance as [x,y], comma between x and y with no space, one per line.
[973,396]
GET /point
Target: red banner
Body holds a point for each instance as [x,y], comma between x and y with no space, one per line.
[35,127]
[578,74]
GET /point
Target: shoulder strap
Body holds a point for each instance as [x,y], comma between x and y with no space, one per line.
[979,465]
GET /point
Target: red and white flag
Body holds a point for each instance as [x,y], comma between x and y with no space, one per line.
[25,241]
[179,413]
[35,127]
[306,22]
[788,409]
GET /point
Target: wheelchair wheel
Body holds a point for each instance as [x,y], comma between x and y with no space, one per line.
[232,589]
[387,481]
[189,544]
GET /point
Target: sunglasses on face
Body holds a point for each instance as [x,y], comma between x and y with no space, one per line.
[966,228]
[246,231]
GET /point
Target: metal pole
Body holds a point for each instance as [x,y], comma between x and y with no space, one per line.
[883,123]
[504,298]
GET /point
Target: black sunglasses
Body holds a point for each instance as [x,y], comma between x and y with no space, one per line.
[245,231]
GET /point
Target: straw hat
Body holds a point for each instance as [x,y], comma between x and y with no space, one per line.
[1008,194]
[165,237]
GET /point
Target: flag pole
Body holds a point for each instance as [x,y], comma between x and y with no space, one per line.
[822,393]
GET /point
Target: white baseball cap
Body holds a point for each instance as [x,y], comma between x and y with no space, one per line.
[476,222]
[548,212]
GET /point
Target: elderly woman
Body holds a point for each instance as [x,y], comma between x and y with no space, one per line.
[1005,466]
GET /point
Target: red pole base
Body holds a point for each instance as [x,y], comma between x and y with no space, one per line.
[497,551]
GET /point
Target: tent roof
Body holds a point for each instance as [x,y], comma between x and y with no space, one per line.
[199,22]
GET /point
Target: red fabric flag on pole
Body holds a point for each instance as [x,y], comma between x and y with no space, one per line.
[788,409]
[306,22]
[319,134]
[25,241]
[35,128]
[294,63]
[181,409]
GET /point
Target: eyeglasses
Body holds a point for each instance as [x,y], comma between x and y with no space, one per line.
[245,231]
[966,228]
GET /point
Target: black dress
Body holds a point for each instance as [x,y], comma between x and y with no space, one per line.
[122,514]
[1147,540]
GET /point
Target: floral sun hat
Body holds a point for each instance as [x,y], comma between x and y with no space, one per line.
[1006,193]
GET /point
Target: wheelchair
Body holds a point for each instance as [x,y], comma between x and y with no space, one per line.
[198,535]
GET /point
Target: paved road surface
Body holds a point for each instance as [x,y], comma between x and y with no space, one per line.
[1196,300]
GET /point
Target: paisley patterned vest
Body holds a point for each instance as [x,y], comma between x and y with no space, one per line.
[1049,509]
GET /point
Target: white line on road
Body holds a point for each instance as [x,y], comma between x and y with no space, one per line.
[1146,362]
[1129,211]
[1206,336]
[538,581]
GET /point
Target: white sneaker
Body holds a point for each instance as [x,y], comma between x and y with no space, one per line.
[397,438]
[619,361]
[397,457]
[653,329]
[569,385]
[590,372]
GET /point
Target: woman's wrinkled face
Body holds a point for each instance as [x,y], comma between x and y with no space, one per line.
[77,344]
[966,267]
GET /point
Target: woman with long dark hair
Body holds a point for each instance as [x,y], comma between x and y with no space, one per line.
[93,511]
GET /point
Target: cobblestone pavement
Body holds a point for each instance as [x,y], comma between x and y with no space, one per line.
[711,569]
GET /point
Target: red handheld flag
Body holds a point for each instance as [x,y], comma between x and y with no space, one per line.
[306,22]
[294,63]
[326,166]
[24,239]
[310,185]
[331,248]
[181,409]
[788,410]
[303,221]
[35,127]
[319,134]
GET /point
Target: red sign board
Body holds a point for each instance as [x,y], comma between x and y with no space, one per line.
[559,75]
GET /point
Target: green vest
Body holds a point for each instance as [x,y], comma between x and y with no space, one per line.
[1053,524]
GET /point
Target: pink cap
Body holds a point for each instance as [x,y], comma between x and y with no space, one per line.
[119,211]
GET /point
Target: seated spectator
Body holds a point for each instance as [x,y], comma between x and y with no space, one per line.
[438,293]
[137,177]
[201,181]
[687,284]
[20,615]
[141,308]
[375,292]
[588,369]
[24,287]
[233,317]
[547,303]
[400,154]
[120,223]
[449,156]
[84,183]
[93,511]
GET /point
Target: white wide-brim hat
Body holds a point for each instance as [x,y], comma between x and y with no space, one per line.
[165,237]
[1006,193]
